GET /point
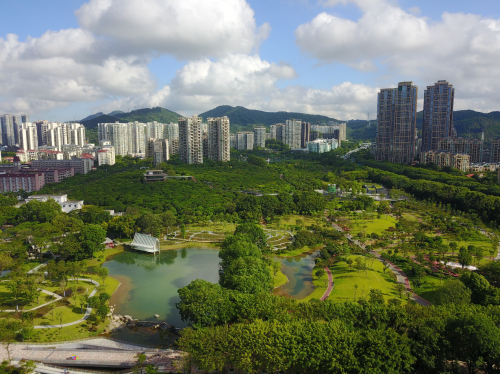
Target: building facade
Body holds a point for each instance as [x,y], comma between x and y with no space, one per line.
[438,114]
[244,141]
[305,134]
[460,161]
[293,130]
[219,139]
[191,140]
[397,122]
[472,147]
[259,137]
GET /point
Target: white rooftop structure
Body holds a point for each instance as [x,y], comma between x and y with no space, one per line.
[66,205]
[145,243]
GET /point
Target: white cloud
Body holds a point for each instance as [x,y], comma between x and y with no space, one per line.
[185,29]
[51,71]
[462,48]
[251,82]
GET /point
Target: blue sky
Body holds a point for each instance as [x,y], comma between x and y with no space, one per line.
[65,59]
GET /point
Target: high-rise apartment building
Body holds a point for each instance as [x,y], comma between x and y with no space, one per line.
[117,134]
[438,114]
[25,118]
[472,147]
[191,140]
[219,140]
[305,134]
[278,132]
[397,121]
[136,138]
[259,137]
[244,141]
[293,130]
[495,151]
[28,138]
[171,131]
[105,154]
[158,150]
[8,137]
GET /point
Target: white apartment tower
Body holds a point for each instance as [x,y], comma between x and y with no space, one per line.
[244,141]
[106,154]
[190,140]
[219,140]
[28,139]
[136,138]
[293,131]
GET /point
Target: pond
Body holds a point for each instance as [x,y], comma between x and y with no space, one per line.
[298,270]
[149,284]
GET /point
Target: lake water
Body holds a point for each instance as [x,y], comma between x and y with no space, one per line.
[149,284]
[298,270]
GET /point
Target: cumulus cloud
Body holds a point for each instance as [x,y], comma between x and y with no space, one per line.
[462,48]
[185,29]
[47,72]
[251,82]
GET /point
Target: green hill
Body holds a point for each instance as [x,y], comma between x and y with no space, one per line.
[141,115]
[244,119]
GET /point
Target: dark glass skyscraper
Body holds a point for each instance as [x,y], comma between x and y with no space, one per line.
[438,114]
[397,122]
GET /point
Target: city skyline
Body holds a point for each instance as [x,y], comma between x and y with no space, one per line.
[66,59]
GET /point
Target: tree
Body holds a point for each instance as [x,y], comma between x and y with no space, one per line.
[102,273]
[453,246]
[254,232]
[150,223]
[376,296]
[139,367]
[276,267]
[475,340]
[349,263]
[102,311]
[91,238]
[39,211]
[320,272]
[464,257]
[454,292]
[60,317]
[400,288]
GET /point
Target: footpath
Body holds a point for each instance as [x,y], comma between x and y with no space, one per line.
[400,275]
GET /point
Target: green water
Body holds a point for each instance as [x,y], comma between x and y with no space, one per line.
[298,270]
[150,284]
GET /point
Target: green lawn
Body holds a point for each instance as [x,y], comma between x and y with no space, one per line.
[375,225]
[320,286]
[100,257]
[299,251]
[429,289]
[279,279]
[8,302]
[345,280]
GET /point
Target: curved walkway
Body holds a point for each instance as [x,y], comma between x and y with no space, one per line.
[330,285]
[88,311]
[400,275]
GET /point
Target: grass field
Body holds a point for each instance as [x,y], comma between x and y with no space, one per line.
[378,226]
[346,279]
[429,288]
[279,279]
[299,251]
[100,257]
[320,287]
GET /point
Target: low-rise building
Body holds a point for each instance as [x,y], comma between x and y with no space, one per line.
[28,182]
[322,145]
[66,205]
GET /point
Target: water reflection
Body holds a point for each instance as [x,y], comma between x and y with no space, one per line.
[298,270]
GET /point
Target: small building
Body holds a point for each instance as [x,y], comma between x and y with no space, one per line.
[108,243]
[155,175]
[66,205]
[145,243]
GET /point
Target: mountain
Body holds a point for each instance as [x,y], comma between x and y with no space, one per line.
[244,119]
[92,116]
[141,115]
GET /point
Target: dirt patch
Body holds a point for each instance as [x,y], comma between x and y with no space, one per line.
[122,292]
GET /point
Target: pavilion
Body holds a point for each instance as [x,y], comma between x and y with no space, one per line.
[145,243]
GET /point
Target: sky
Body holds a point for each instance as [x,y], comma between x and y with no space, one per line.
[62,60]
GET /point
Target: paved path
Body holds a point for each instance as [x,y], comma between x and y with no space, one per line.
[95,352]
[400,275]
[56,298]
[88,311]
[330,285]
